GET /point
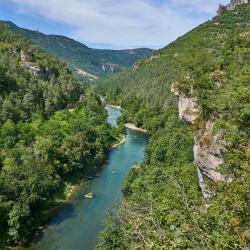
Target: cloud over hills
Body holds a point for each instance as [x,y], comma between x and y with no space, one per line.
[130,23]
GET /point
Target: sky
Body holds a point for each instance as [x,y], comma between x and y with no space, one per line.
[112,24]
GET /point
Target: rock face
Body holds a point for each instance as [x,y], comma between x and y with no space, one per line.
[234,3]
[29,64]
[15,50]
[221,10]
[42,73]
[26,56]
[109,67]
[230,6]
[187,106]
[34,70]
[209,148]
[187,109]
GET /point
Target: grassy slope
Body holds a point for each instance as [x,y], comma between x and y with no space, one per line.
[165,209]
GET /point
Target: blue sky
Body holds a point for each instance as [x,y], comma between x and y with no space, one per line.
[116,24]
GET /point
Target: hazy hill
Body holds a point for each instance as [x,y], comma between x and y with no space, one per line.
[85,61]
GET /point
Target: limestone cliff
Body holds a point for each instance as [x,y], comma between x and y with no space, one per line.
[209,147]
[28,62]
[188,109]
[230,6]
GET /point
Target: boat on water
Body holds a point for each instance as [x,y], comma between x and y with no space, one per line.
[89,195]
[114,173]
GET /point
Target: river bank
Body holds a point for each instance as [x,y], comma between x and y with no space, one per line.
[66,194]
[121,142]
[134,127]
[79,223]
[116,107]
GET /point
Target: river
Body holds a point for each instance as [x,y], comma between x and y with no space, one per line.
[76,227]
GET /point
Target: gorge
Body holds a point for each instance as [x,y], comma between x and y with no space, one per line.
[78,224]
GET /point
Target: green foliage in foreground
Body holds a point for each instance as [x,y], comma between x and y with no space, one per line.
[36,158]
[165,209]
[43,145]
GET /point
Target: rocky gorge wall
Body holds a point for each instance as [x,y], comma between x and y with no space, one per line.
[209,147]
[230,6]
[28,63]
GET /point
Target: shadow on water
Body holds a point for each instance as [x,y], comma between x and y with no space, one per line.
[66,213]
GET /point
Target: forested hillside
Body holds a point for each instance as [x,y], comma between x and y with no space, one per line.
[209,70]
[46,136]
[87,63]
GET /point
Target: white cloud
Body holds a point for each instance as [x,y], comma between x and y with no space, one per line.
[123,22]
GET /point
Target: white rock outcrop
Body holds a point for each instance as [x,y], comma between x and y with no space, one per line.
[209,150]
[42,73]
[230,6]
[188,109]
[187,106]
[209,147]
[26,56]
[33,69]
[109,67]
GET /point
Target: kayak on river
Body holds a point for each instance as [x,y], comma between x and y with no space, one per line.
[89,195]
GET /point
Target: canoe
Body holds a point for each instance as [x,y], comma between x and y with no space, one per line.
[89,195]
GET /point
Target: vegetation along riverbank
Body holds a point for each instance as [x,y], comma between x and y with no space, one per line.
[192,190]
[43,148]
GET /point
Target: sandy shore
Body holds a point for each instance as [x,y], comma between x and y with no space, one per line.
[119,143]
[133,127]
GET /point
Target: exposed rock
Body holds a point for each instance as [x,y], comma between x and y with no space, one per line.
[102,100]
[43,73]
[188,108]
[86,74]
[234,3]
[15,50]
[221,10]
[109,67]
[151,58]
[33,69]
[209,150]
[230,6]
[207,193]
[26,56]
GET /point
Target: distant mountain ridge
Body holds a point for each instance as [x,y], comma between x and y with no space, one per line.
[84,61]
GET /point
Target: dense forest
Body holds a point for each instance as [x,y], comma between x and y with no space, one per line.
[164,207]
[48,138]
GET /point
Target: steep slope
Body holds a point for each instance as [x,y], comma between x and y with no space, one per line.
[84,61]
[42,143]
[205,128]
[31,80]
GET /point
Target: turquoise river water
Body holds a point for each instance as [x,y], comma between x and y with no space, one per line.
[76,226]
